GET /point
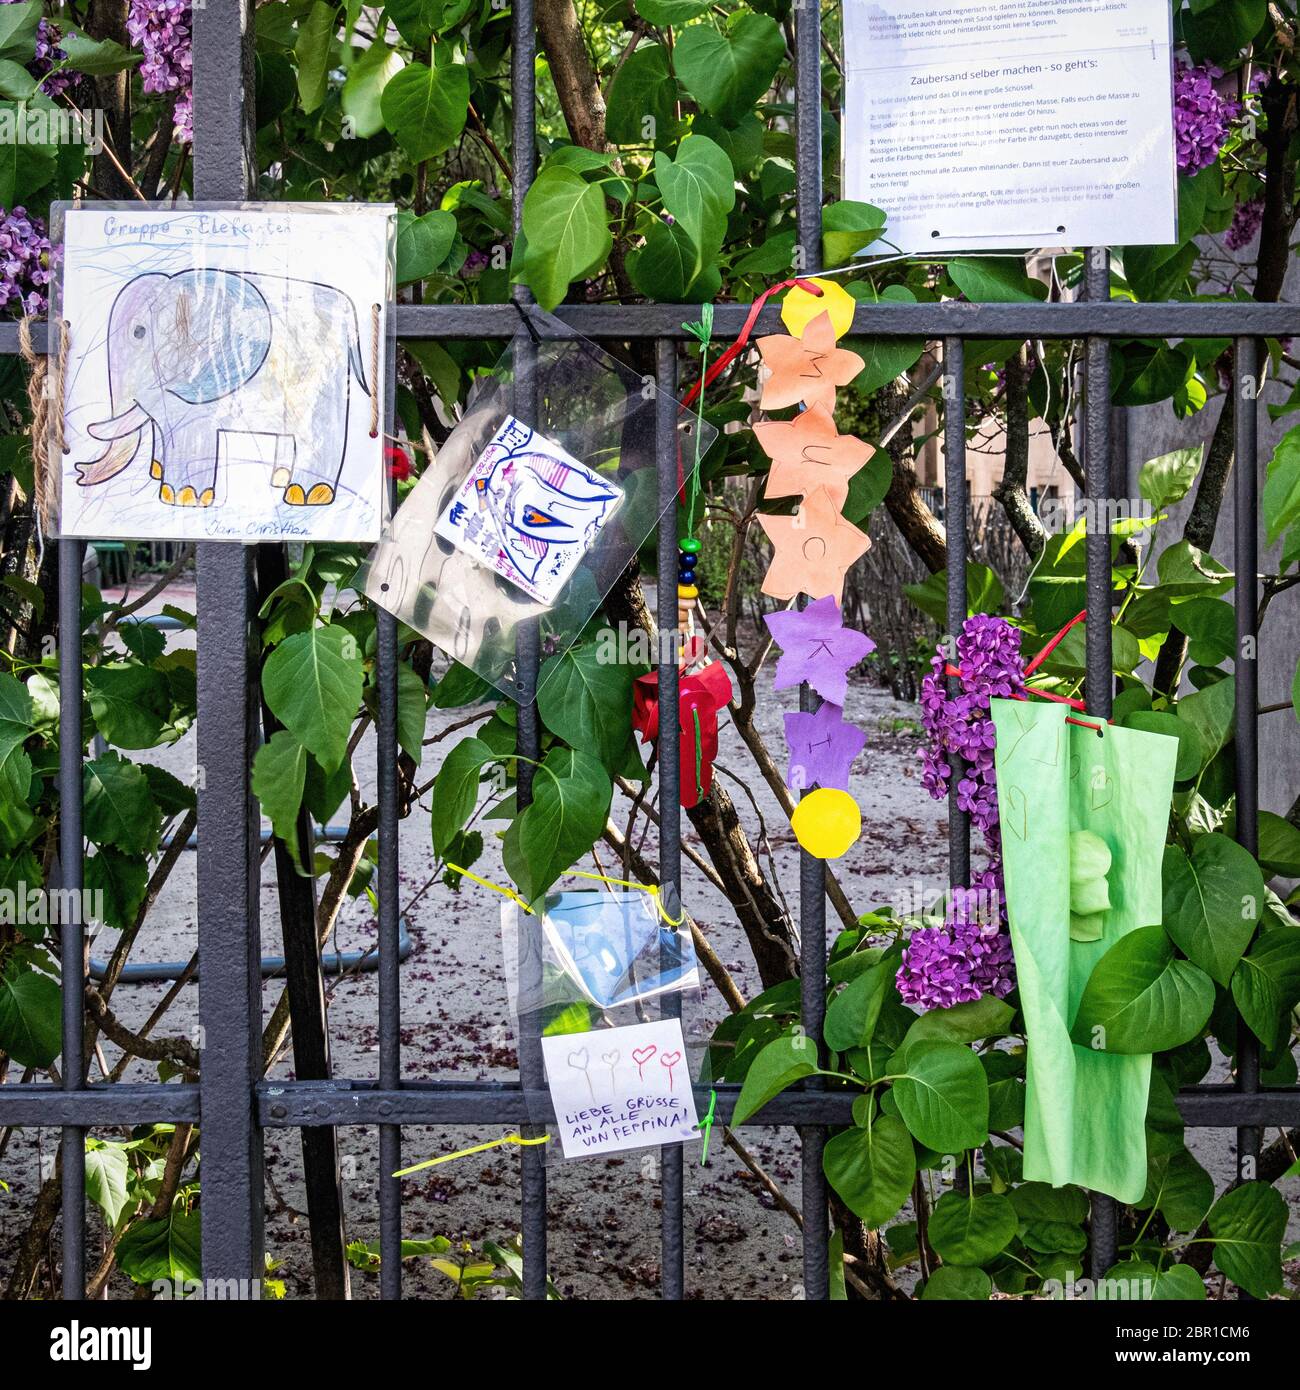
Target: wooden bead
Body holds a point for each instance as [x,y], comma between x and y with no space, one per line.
[688,591]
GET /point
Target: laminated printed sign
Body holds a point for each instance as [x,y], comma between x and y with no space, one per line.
[528,510]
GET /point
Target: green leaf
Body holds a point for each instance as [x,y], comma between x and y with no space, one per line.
[130,703]
[665,12]
[867,487]
[957,1282]
[972,1021]
[1184,570]
[1140,999]
[1212,902]
[412,711]
[362,97]
[107,1172]
[1209,715]
[781,1063]
[883,360]
[168,1248]
[122,879]
[848,227]
[455,790]
[279,777]
[699,189]
[96,57]
[984,593]
[852,1013]
[942,1095]
[315,39]
[117,806]
[422,243]
[31,1027]
[1179,1189]
[587,701]
[425,108]
[667,267]
[642,99]
[312,683]
[1168,479]
[1279,845]
[571,798]
[1138,1279]
[872,1169]
[1266,982]
[15,81]
[728,72]
[1162,722]
[1248,1224]
[1218,32]
[567,232]
[994,280]
[416,20]
[967,1230]
[18,26]
[1281,497]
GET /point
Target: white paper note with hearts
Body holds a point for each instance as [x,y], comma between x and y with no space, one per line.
[621,1088]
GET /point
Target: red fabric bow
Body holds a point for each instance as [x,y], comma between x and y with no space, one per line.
[700,697]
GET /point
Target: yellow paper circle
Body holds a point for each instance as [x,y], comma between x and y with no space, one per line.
[827,823]
[799,308]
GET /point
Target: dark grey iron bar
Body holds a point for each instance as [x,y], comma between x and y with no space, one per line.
[1100,682]
[671,1156]
[622,322]
[1246,671]
[955,518]
[72,943]
[285,1104]
[104,1106]
[532,1071]
[390,987]
[812,872]
[230,996]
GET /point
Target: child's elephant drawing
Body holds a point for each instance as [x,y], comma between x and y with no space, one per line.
[204,353]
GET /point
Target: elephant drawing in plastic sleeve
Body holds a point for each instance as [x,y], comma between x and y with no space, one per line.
[261,364]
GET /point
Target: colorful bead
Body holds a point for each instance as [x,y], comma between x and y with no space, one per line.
[690,545]
[687,591]
[689,561]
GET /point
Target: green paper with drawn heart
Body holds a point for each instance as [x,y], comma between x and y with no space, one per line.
[1083,819]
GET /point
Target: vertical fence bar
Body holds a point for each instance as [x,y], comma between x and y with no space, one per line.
[390,987]
[812,872]
[671,1156]
[532,1072]
[230,992]
[1246,672]
[72,934]
[955,520]
[1099,682]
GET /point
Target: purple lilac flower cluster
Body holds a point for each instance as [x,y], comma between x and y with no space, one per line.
[970,955]
[48,54]
[24,262]
[1201,116]
[161,30]
[1246,222]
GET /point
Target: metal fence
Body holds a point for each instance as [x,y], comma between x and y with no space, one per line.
[231,1101]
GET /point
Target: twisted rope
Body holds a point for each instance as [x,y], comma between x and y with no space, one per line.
[45,394]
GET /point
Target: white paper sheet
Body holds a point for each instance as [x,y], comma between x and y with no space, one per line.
[219,373]
[621,1088]
[986,124]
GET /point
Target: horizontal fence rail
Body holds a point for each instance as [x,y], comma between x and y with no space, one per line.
[232,1103]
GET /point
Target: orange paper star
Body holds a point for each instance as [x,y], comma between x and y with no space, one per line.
[808,452]
[806,369]
[814,549]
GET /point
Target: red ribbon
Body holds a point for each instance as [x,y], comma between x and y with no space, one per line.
[699,697]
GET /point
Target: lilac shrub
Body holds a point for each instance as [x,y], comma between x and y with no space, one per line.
[24,262]
[162,31]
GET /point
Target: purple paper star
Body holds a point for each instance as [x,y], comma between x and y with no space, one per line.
[816,647]
[822,748]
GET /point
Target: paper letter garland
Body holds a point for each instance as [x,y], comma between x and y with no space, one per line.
[814,549]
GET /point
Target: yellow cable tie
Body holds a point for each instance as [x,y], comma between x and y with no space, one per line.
[516,1139]
[495,887]
[652,888]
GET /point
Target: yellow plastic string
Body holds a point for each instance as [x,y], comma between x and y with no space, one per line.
[477,1149]
[652,888]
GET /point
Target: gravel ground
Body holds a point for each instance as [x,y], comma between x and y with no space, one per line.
[604,1240]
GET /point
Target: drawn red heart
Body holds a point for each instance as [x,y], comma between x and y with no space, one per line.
[670,1059]
[641,1055]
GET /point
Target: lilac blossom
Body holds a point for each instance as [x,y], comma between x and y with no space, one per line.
[24,262]
[1202,117]
[48,55]
[1246,222]
[965,959]
[162,31]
